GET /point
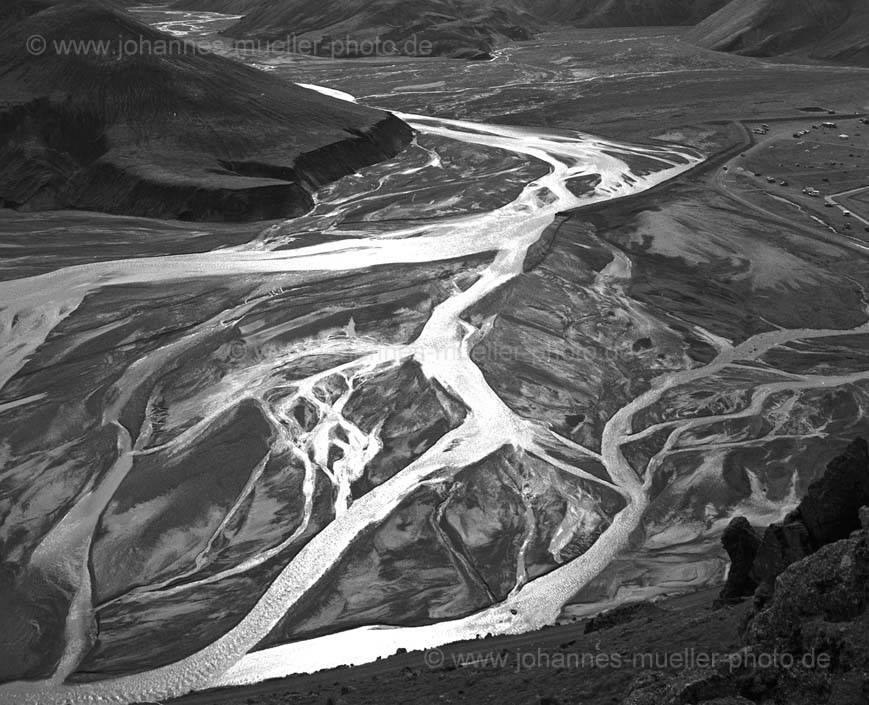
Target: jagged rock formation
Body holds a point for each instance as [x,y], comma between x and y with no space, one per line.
[808,646]
[741,543]
[142,124]
[807,643]
[829,512]
[830,30]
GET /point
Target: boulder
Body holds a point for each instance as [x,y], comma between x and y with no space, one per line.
[815,597]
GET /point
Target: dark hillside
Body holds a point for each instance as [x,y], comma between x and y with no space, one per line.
[142,124]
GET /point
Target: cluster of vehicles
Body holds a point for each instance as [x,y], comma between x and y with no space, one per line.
[810,191]
[821,126]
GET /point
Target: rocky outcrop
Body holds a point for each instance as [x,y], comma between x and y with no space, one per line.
[807,642]
[741,543]
[808,646]
[829,512]
[137,122]
[782,544]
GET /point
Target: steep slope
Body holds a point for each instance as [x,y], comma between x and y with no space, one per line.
[831,30]
[142,124]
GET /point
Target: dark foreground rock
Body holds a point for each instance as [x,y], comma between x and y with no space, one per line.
[782,544]
[807,642]
[808,646]
[741,543]
[144,124]
[829,512]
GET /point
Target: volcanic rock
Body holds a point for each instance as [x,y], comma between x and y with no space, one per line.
[807,643]
[829,512]
[741,543]
[831,508]
[782,544]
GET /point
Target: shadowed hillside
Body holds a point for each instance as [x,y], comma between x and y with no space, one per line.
[831,30]
[142,124]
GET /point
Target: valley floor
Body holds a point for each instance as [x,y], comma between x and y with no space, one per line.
[747,314]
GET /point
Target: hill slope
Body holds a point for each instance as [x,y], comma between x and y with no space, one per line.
[164,131]
[227,7]
[830,30]
[624,13]
[452,27]
[464,28]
